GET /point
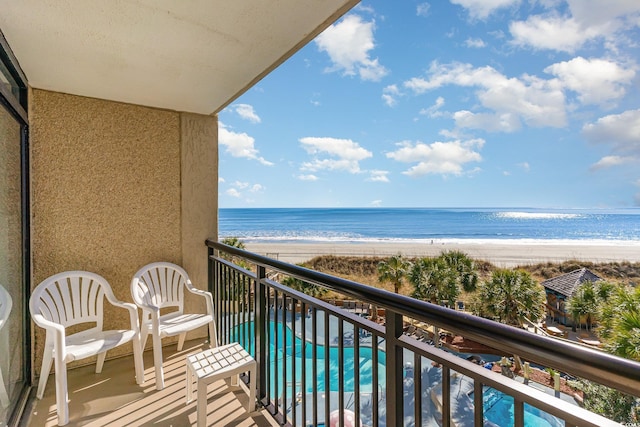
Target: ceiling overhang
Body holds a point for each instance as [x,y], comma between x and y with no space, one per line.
[185,55]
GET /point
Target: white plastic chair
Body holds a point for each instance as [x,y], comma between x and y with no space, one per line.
[161,285]
[5,310]
[73,298]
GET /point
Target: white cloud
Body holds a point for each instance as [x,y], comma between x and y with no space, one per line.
[525,166]
[348,44]
[585,21]
[611,161]
[535,101]
[434,110]
[555,32]
[636,198]
[378,176]
[611,12]
[239,145]
[376,203]
[247,112]
[309,177]
[423,9]
[621,131]
[220,179]
[595,80]
[503,122]
[445,158]
[241,185]
[474,43]
[390,95]
[233,193]
[481,9]
[344,154]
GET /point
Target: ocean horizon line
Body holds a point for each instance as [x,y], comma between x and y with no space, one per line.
[437,241]
[635,209]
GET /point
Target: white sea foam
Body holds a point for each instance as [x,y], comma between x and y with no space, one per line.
[536,215]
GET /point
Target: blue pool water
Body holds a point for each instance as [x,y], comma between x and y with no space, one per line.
[498,408]
[288,351]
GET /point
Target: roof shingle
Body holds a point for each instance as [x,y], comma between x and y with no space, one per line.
[568,283]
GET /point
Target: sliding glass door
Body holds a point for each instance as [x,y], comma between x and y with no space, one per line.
[14,246]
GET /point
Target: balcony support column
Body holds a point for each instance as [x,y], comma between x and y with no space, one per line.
[394,370]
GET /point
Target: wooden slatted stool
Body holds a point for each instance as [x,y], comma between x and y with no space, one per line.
[208,366]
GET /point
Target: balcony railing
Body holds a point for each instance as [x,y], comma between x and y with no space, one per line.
[315,358]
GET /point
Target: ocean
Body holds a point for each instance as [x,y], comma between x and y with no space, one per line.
[430,225]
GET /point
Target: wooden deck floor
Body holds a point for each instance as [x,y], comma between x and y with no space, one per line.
[113,398]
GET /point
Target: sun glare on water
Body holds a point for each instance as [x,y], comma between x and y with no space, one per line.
[536,215]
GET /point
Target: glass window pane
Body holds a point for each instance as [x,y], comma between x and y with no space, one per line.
[11,265]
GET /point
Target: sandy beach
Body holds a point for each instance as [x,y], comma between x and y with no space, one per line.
[500,254]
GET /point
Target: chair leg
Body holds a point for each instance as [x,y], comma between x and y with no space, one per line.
[137,360]
[202,405]
[181,339]
[62,404]
[4,397]
[47,361]
[157,361]
[252,389]
[213,338]
[144,333]
[100,362]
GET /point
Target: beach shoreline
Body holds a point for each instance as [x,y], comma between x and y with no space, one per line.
[501,254]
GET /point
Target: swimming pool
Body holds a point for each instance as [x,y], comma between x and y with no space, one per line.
[498,408]
[289,350]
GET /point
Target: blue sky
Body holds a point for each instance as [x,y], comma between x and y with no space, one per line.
[460,103]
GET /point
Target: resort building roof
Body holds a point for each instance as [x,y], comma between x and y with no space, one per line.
[568,283]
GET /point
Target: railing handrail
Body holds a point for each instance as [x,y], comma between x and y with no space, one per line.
[604,368]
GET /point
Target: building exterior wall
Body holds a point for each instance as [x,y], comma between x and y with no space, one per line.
[107,194]
[199,192]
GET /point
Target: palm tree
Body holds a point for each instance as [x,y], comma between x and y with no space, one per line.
[620,325]
[434,280]
[310,289]
[511,297]
[464,266]
[587,300]
[394,271]
[236,243]
[233,241]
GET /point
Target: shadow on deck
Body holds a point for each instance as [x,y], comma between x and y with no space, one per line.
[113,398]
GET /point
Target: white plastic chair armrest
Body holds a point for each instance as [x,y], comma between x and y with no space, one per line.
[205,294]
[133,314]
[58,331]
[39,320]
[133,310]
[154,310]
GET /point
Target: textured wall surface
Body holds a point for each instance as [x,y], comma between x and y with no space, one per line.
[199,193]
[106,193]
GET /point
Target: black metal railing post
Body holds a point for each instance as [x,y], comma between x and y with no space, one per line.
[212,282]
[260,331]
[394,369]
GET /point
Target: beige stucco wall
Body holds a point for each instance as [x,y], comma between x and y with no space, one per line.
[199,192]
[115,186]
